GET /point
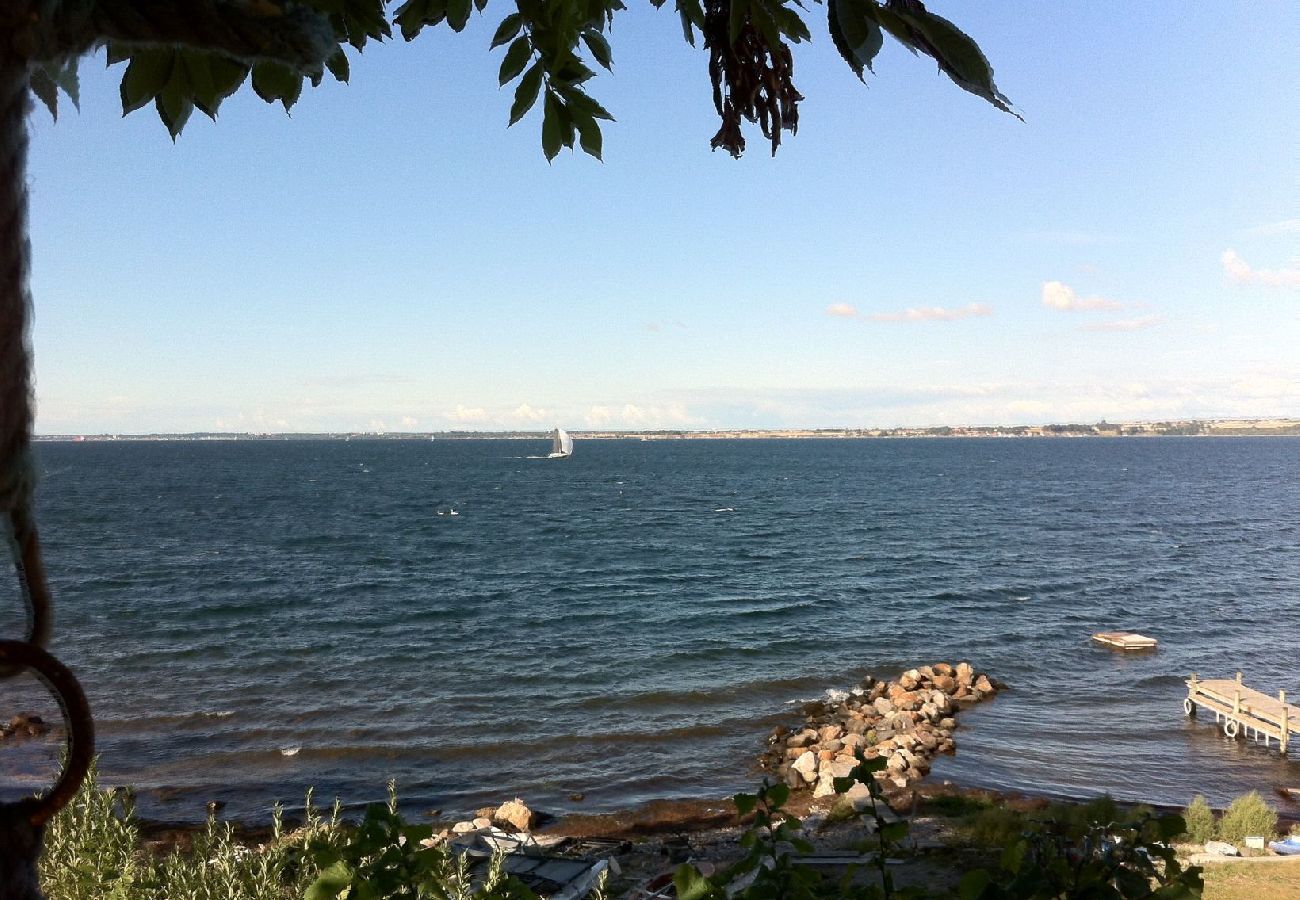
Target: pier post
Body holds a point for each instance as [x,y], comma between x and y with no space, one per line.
[1286,723]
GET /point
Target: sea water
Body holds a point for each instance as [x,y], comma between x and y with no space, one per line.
[253,618]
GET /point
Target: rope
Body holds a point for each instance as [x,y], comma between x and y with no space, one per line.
[17,481]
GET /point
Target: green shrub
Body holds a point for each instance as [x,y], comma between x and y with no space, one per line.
[93,851]
[91,847]
[1200,821]
[1248,815]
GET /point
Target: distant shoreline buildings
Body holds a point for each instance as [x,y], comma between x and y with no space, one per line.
[1272,427]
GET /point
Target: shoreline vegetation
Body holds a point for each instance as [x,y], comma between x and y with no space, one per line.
[1264,427]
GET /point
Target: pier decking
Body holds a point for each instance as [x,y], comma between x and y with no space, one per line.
[1244,710]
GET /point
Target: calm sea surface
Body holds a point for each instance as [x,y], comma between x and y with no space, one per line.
[629,623]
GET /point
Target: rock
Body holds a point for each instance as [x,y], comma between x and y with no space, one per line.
[463,828]
[793,779]
[806,765]
[824,754]
[883,706]
[965,674]
[942,669]
[945,683]
[833,746]
[778,732]
[984,686]
[907,683]
[481,822]
[948,724]
[802,739]
[825,787]
[859,796]
[829,733]
[486,812]
[515,814]
[851,743]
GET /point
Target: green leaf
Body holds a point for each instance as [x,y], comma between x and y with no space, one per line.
[973,884]
[203,90]
[516,58]
[275,81]
[44,88]
[599,48]
[117,53]
[413,15]
[526,92]
[791,24]
[739,13]
[690,884]
[589,137]
[146,75]
[575,97]
[803,846]
[338,65]
[175,102]
[959,57]
[744,803]
[855,32]
[777,794]
[1171,826]
[507,30]
[458,13]
[552,126]
[893,832]
[330,883]
[1013,857]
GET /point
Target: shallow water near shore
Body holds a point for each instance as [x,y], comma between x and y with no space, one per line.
[251,619]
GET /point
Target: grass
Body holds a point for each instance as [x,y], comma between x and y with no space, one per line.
[94,851]
[1247,881]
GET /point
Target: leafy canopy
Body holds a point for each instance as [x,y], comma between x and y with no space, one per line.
[182,57]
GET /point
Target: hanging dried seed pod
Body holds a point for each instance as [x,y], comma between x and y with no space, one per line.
[751,78]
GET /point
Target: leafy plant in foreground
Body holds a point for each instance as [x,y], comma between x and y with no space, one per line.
[1126,860]
[384,857]
[769,870]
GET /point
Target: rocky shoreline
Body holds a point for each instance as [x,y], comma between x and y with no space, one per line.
[908,721]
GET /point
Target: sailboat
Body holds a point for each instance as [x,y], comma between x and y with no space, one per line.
[561,445]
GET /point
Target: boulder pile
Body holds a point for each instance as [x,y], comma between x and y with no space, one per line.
[908,721]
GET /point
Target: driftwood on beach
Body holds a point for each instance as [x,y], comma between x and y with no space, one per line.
[908,720]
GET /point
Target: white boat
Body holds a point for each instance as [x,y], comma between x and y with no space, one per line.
[561,445]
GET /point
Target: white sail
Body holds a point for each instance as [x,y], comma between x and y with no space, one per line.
[561,444]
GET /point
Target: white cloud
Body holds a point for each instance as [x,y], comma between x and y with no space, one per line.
[1136,324]
[467,415]
[1270,229]
[638,417]
[1061,296]
[409,421]
[599,416]
[842,310]
[1241,272]
[528,414]
[934,314]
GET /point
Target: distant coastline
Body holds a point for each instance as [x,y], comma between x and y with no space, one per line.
[1271,427]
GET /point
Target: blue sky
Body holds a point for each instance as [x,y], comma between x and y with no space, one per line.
[392,257]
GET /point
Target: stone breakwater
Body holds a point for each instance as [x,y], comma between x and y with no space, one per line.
[908,721]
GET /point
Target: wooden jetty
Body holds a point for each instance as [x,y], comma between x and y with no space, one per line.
[1244,710]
